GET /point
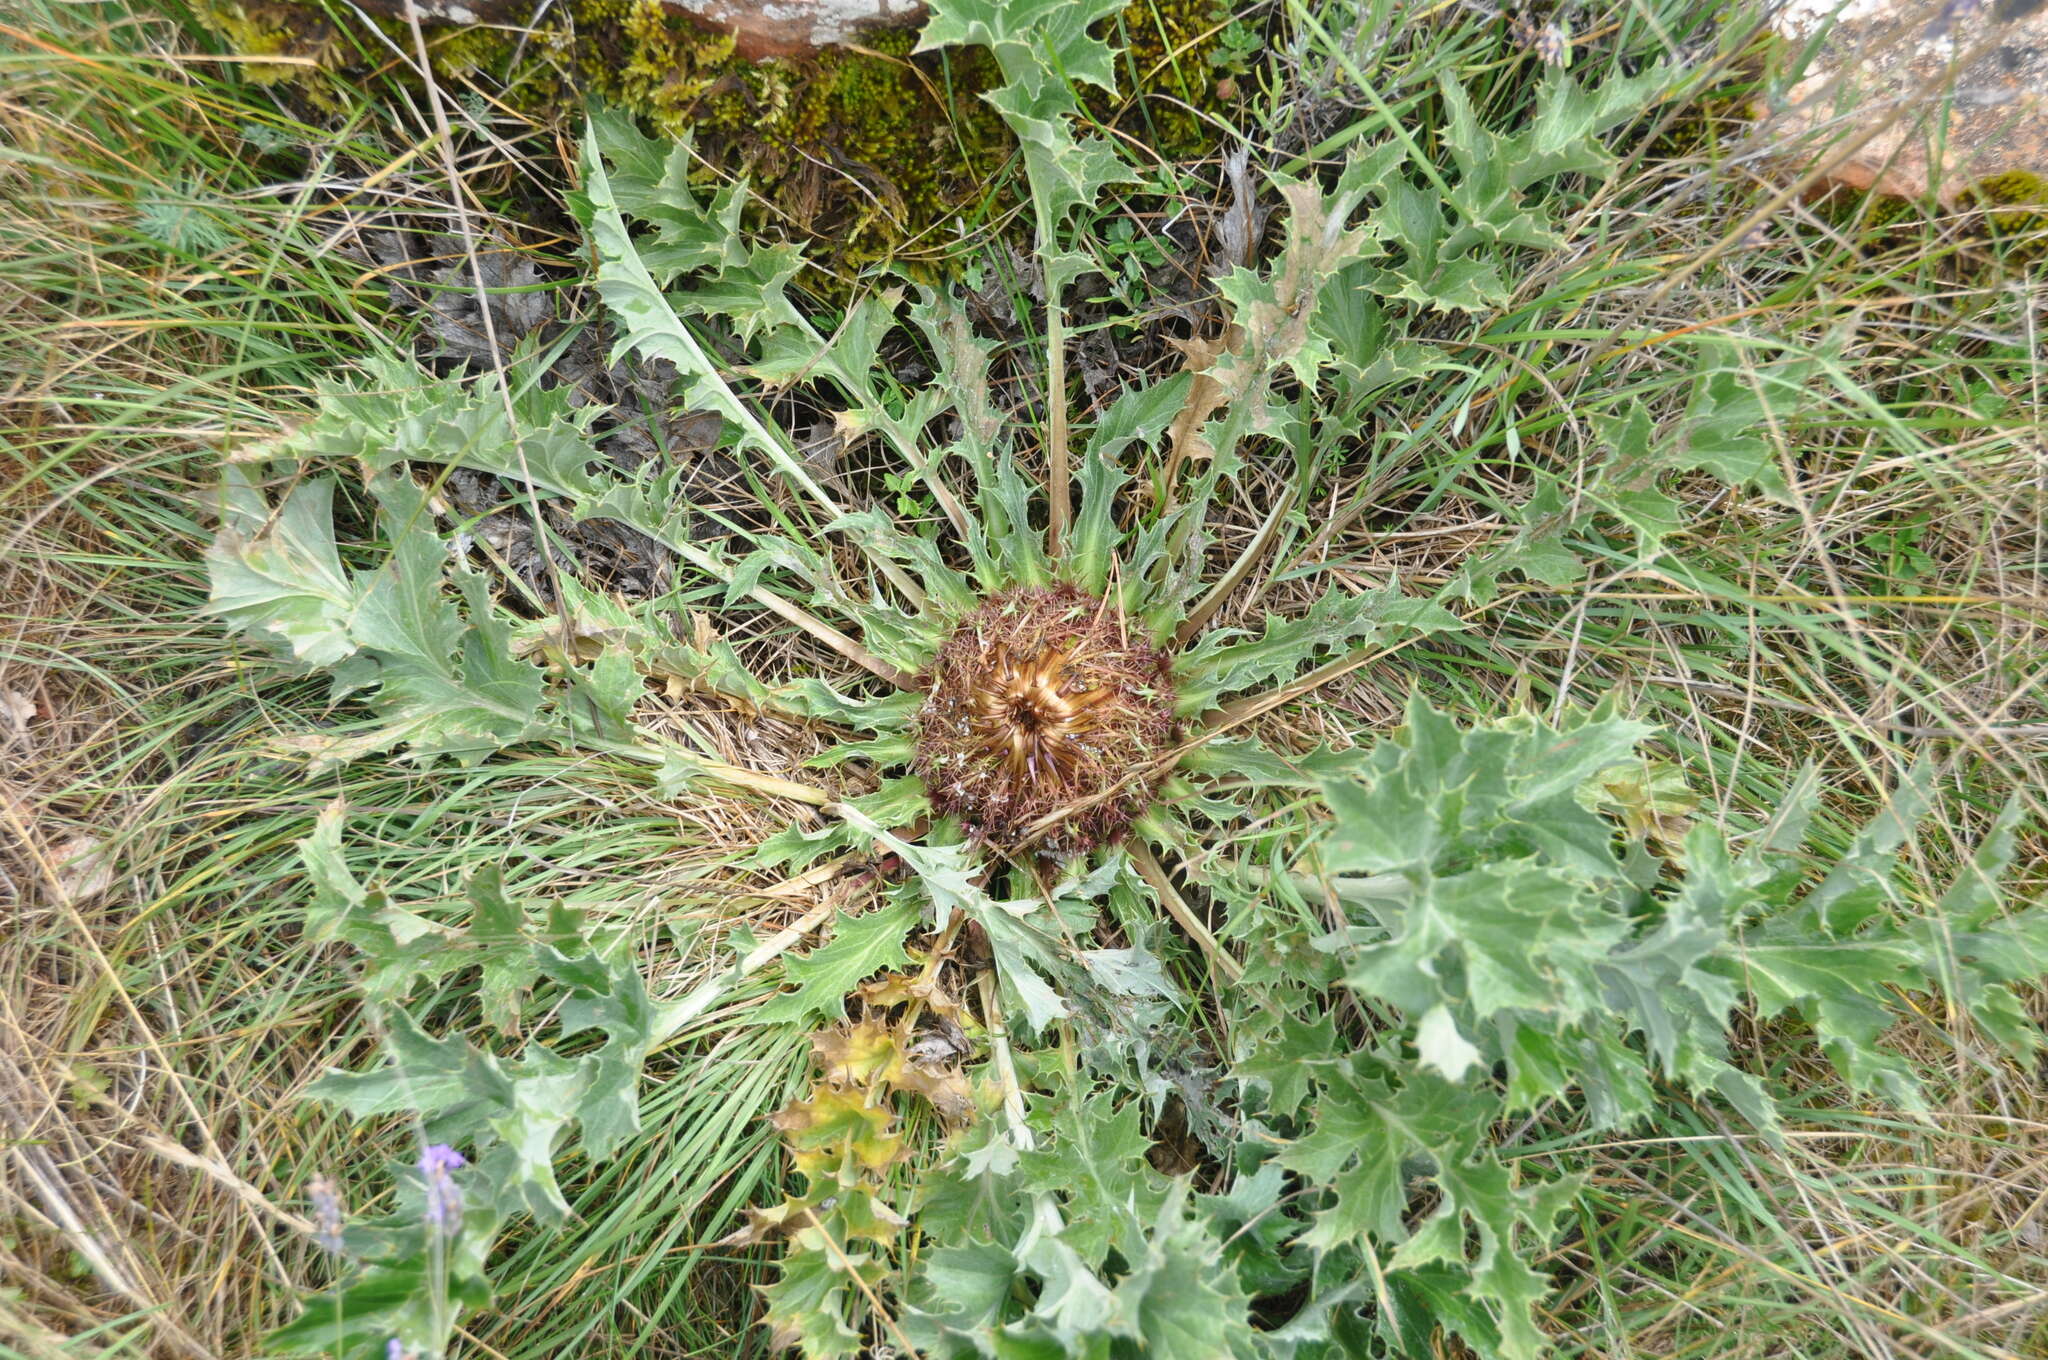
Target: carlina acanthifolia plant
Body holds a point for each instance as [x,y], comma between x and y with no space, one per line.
[1352,973]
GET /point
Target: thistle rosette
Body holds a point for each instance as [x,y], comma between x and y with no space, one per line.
[1039,636]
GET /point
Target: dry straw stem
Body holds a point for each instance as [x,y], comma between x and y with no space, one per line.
[31,1100]
[1176,906]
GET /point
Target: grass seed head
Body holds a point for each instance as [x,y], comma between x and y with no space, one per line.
[1043,700]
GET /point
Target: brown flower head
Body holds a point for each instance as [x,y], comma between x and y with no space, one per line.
[1045,700]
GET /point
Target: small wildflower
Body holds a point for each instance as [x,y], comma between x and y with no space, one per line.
[328,1212]
[395,1349]
[444,1196]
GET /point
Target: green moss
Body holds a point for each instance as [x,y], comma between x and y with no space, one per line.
[269,30]
[478,49]
[2018,204]
[1167,49]
[871,154]
[2014,208]
[860,149]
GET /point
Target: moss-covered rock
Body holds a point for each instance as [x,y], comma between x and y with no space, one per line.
[2017,201]
[868,151]
[258,29]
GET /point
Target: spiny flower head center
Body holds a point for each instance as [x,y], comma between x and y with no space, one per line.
[1043,701]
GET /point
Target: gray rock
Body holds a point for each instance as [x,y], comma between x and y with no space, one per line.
[1940,94]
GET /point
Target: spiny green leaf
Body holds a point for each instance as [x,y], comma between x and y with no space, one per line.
[1452,236]
[1044,49]
[355,1322]
[650,324]
[1512,1222]
[1973,898]
[1285,1055]
[420,1074]
[1094,1159]
[960,1296]
[1218,664]
[276,574]
[1180,1298]
[442,681]
[398,948]
[732,278]
[1357,1145]
[861,946]
[1841,987]
[498,928]
[1736,415]
[1439,1045]
[1367,351]
[1247,760]
[807,1305]
[1521,938]
[1858,885]
[1139,416]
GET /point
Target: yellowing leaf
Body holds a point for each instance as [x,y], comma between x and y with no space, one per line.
[837,1129]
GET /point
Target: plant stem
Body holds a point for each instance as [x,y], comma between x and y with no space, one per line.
[1059,463]
[1154,873]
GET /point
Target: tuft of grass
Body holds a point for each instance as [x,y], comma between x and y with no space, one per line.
[172,282]
[174,277]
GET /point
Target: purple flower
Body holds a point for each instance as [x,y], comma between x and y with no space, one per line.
[444,1196]
[395,1349]
[441,1157]
[327,1212]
